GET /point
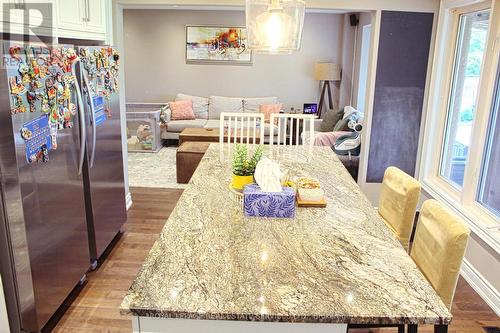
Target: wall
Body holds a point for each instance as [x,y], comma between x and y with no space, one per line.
[156,69]
[346,61]
[365,18]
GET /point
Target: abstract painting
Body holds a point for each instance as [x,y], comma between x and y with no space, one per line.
[217,44]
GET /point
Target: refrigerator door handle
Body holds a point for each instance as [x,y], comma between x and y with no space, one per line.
[81,113]
[92,111]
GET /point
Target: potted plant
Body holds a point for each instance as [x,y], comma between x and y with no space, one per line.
[243,166]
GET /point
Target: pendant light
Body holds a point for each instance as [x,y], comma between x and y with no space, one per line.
[275,26]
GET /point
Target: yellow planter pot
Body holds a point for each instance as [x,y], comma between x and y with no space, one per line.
[239,182]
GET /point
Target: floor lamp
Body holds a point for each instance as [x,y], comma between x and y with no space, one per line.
[326,72]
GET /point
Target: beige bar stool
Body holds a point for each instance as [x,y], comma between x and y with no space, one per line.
[398,203]
[439,247]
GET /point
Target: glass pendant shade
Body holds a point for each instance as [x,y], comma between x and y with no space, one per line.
[275,26]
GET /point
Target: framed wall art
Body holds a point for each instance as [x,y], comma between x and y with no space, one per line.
[217,45]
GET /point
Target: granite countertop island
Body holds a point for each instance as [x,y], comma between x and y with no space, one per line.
[339,264]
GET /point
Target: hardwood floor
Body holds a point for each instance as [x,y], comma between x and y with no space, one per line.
[96,309]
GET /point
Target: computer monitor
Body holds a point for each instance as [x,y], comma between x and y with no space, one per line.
[310,108]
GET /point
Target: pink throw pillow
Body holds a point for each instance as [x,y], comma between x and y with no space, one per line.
[182,110]
[268,109]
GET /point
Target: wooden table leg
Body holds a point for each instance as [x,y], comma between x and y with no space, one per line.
[412,328]
[440,328]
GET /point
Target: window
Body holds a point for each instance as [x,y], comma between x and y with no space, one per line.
[463,117]
[469,54]
[489,191]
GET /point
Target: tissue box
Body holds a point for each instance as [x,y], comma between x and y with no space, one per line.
[263,204]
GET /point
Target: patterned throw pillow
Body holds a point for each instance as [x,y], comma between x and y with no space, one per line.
[182,110]
[268,109]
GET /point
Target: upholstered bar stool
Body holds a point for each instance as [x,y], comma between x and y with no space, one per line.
[398,203]
[439,247]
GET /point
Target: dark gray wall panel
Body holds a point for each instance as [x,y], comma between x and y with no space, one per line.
[404,44]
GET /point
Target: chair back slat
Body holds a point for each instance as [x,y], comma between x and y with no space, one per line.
[242,128]
[290,129]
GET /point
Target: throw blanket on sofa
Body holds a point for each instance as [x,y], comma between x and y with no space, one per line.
[324,138]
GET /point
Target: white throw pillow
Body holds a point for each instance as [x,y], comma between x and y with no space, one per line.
[218,104]
[253,104]
[200,104]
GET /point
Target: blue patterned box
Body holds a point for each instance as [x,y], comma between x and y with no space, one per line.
[261,204]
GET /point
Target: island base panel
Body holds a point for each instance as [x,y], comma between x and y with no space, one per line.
[168,325]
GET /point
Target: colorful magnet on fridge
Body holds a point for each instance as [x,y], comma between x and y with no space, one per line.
[72,109]
[71,54]
[15,52]
[44,69]
[24,71]
[32,98]
[66,93]
[16,86]
[51,92]
[67,119]
[45,153]
[18,105]
[45,104]
[34,69]
[26,134]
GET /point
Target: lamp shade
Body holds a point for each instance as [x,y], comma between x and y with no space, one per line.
[274,26]
[326,71]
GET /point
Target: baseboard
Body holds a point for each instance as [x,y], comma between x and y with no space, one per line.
[477,281]
[128,200]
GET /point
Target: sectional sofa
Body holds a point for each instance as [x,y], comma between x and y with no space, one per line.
[207,112]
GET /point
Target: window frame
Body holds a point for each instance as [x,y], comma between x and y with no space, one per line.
[490,133]
[463,201]
[451,82]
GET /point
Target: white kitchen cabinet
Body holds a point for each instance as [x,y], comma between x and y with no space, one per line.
[11,12]
[70,15]
[96,16]
[75,19]
[81,19]
[40,18]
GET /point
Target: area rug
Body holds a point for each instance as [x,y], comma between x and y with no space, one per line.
[153,169]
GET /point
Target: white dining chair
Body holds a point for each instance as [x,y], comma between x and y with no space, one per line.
[242,128]
[289,129]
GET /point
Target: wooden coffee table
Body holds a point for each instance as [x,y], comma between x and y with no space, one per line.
[204,135]
[198,134]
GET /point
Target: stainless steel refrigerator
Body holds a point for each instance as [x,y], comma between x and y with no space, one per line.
[61,177]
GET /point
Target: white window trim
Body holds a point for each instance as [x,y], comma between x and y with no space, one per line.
[480,219]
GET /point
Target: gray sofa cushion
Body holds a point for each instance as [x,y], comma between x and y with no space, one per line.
[253,104]
[218,104]
[212,124]
[178,126]
[200,104]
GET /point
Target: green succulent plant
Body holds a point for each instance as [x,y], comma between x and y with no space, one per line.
[242,164]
